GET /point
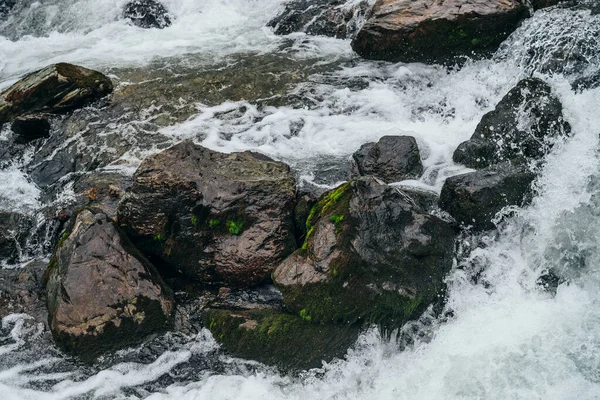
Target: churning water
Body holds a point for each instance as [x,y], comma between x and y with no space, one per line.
[504,339]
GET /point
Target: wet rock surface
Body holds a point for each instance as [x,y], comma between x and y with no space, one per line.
[30,127]
[392,159]
[55,89]
[522,127]
[21,292]
[336,18]
[211,216]
[14,229]
[436,31]
[474,199]
[372,255]
[128,303]
[5,7]
[147,14]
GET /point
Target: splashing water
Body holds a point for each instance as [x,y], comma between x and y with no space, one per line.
[506,338]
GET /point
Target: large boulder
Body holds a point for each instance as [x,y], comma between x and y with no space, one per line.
[55,89]
[392,159]
[147,14]
[211,216]
[372,254]
[523,126]
[436,31]
[101,293]
[336,18]
[474,199]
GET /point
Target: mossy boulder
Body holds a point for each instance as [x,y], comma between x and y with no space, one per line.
[213,217]
[102,294]
[523,127]
[276,338]
[372,254]
[437,31]
[55,89]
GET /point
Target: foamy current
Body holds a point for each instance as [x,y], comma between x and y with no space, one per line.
[505,338]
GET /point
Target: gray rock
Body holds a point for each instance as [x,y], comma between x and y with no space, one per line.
[474,199]
[147,14]
[392,159]
[522,127]
[102,294]
[5,7]
[14,230]
[214,217]
[21,292]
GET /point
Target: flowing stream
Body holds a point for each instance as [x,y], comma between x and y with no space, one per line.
[504,338]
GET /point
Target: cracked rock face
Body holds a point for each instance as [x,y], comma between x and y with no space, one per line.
[102,294]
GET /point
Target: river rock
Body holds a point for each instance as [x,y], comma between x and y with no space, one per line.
[436,31]
[523,126]
[372,255]
[21,292]
[14,230]
[277,338]
[335,18]
[147,14]
[474,199]
[214,217]
[102,294]
[392,159]
[5,7]
[55,89]
[30,127]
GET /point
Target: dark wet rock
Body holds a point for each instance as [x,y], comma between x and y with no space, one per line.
[48,172]
[587,82]
[102,294]
[21,292]
[474,199]
[276,338]
[30,127]
[305,200]
[436,31]
[5,7]
[372,255]
[539,4]
[211,216]
[335,18]
[14,230]
[147,14]
[392,159]
[100,190]
[523,126]
[55,89]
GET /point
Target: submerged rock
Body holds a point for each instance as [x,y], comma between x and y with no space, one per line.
[14,230]
[474,199]
[211,216]
[30,127]
[21,292]
[55,89]
[336,18]
[147,14]
[436,31]
[276,338]
[372,255]
[102,294]
[5,7]
[392,159]
[522,127]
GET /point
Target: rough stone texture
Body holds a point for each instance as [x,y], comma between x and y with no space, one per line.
[14,229]
[523,126]
[392,159]
[21,292]
[102,294]
[30,127]
[55,89]
[276,338]
[372,255]
[211,216]
[436,31]
[5,7]
[304,203]
[336,18]
[473,199]
[147,14]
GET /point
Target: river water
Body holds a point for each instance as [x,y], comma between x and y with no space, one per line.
[504,339]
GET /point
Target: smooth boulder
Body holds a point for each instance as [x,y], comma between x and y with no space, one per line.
[55,89]
[102,294]
[372,254]
[213,217]
[436,31]
[335,18]
[392,159]
[523,127]
[475,198]
[147,14]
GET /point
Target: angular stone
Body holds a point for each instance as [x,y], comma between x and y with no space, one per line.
[214,217]
[102,294]
[436,31]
